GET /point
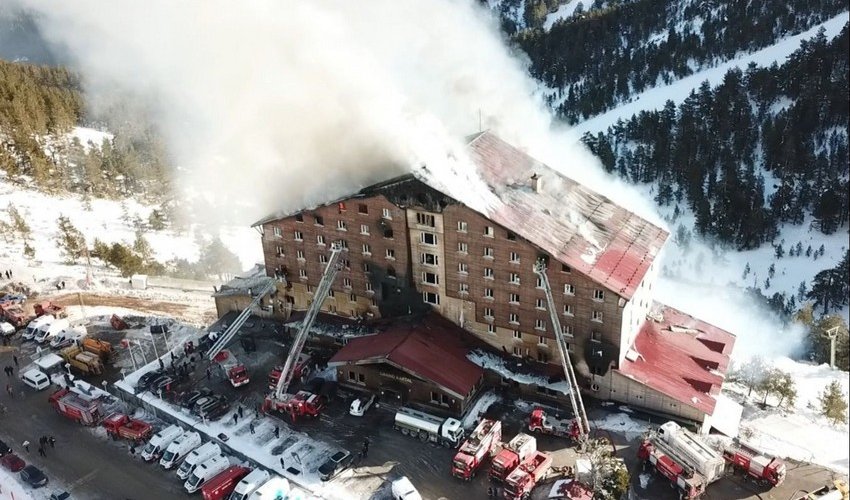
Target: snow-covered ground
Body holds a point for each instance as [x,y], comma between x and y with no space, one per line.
[800,434]
[656,97]
[89,135]
[563,12]
[480,406]
[11,488]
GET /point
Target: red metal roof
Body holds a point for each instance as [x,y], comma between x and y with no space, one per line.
[432,349]
[573,224]
[681,356]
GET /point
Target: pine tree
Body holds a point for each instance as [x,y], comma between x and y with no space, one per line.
[780,252]
[833,403]
[29,251]
[750,374]
[19,224]
[771,271]
[746,271]
[70,240]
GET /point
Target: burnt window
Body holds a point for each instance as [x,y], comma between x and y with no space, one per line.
[565,268]
[299,217]
[511,236]
[362,208]
[320,221]
[341,206]
[388,233]
[391,272]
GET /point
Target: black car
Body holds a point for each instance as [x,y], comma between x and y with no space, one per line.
[62,495]
[202,403]
[215,408]
[162,383]
[146,379]
[187,400]
[33,476]
[4,448]
[334,465]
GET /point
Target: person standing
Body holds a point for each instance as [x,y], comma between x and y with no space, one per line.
[52,441]
[41,451]
[251,427]
[15,359]
[276,432]
[26,445]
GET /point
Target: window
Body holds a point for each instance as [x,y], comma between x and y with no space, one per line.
[341,207]
[462,247]
[518,351]
[346,282]
[302,273]
[430,278]
[364,229]
[539,282]
[352,297]
[491,328]
[514,258]
[428,238]
[425,219]
[277,231]
[331,294]
[511,236]
[462,267]
[299,217]
[565,268]
[488,272]
[488,252]
[488,293]
[388,233]
[514,298]
[517,334]
[309,289]
[489,231]
[540,304]
[369,287]
[340,224]
[596,336]
[299,236]
[366,267]
[320,239]
[513,318]
[320,221]
[567,330]
[488,313]
[514,280]
[367,250]
[385,213]
[463,288]
[540,324]
[599,295]
[373,302]
[542,340]
[391,272]
[280,251]
[542,357]
[461,226]
[429,259]
[362,208]
[431,298]
[352,376]
[568,310]
[596,316]
[323,259]
[390,254]
[570,347]
[569,289]
[299,254]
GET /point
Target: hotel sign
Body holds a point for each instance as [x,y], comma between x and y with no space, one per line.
[393,376]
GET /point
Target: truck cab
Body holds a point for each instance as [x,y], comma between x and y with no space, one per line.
[506,460]
[197,457]
[36,324]
[249,484]
[205,472]
[160,441]
[68,336]
[178,450]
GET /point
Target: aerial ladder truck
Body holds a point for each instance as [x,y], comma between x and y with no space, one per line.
[579,429]
[303,403]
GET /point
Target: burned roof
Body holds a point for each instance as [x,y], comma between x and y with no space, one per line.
[431,349]
[680,356]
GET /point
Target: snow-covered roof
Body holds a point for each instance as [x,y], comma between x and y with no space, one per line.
[570,222]
[253,280]
[511,370]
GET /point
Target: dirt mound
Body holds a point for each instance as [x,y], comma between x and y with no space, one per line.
[19,287]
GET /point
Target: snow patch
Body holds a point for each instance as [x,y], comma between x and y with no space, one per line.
[478,408]
[89,135]
[564,11]
[500,366]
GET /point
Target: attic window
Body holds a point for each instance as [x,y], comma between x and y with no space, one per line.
[362,208]
[299,217]
[320,221]
[511,236]
[565,268]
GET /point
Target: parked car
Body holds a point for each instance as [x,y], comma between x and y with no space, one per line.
[4,448]
[146,379]
[334,465]
[6,329]
[12,462]
[187,400]
[403,489]
[163,383]
[215,409]
[361,405]
[33,476]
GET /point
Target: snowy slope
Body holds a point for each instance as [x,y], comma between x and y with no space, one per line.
[678,91]
[89,135]
[563,12]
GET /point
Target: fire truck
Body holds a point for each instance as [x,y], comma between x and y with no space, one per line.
[540,422]
[523,479]
[119,425]
[76,407]
[302,370]
[508,458]
[232,368]
[303,403]
[765,469]
[482,443]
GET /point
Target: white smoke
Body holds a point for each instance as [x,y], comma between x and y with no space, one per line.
[272,106]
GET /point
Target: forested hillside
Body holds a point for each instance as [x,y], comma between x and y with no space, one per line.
[39,106]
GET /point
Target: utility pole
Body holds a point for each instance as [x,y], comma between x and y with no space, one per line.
[832,333]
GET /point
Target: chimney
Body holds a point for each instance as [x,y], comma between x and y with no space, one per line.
[536,183]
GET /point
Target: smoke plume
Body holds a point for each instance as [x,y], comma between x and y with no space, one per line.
[272,106]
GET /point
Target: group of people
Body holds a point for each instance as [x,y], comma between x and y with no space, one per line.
[7,273]
[43,441]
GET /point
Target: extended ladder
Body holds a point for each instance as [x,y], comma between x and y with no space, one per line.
[240,320]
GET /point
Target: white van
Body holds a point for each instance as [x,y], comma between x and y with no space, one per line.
[160,441]
[68,336]
[6,329]
[274,488]
[36,379]
[206,471]
[45,334]
[197,457]
[180,449]
[35,324]
[403,489]
[249,484]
